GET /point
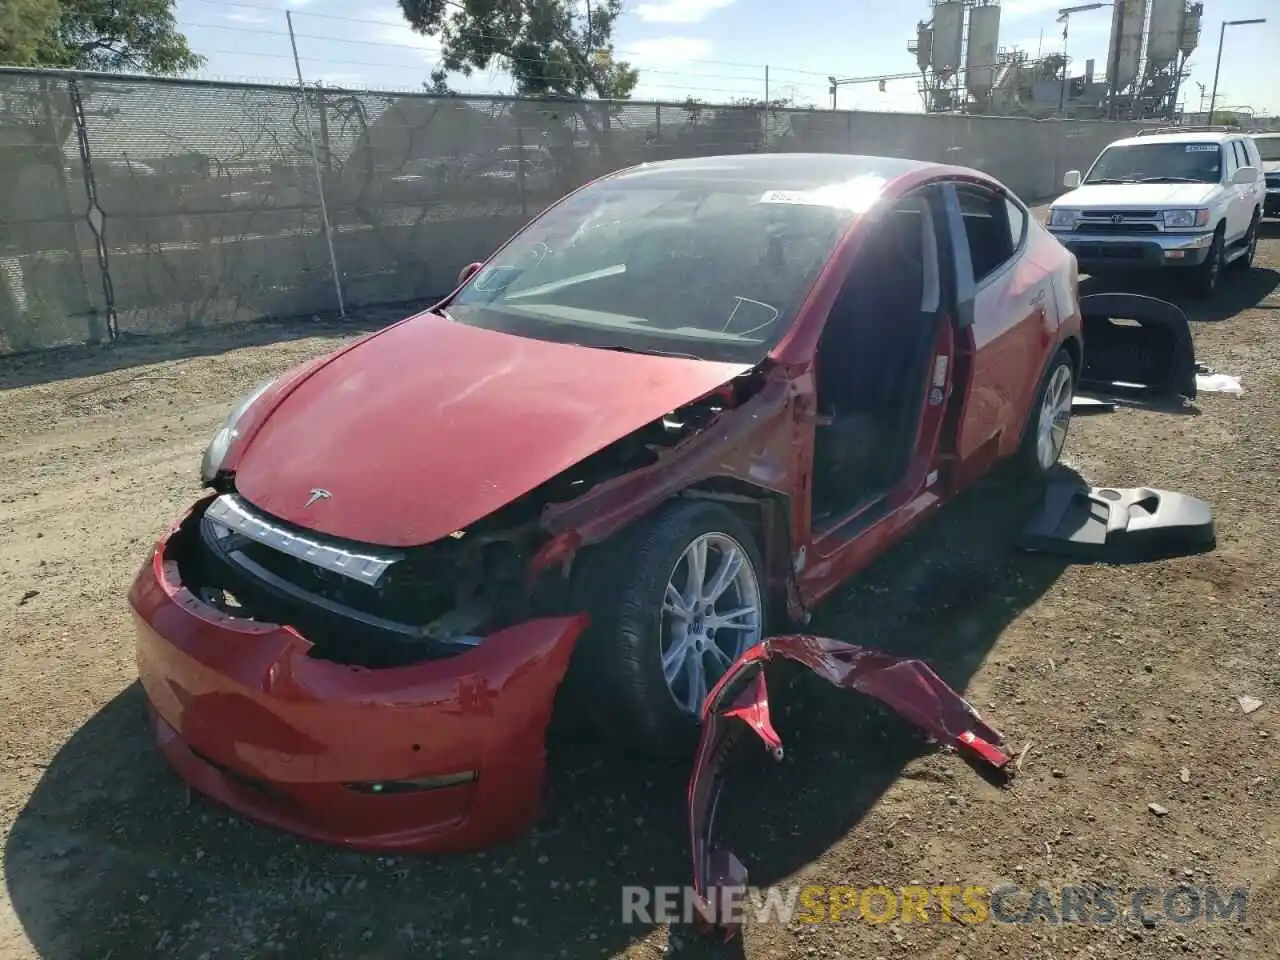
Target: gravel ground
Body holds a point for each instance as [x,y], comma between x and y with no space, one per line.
[1121,683]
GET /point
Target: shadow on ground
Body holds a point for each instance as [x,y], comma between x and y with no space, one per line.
[111,858]
[87,360]
[1238,290]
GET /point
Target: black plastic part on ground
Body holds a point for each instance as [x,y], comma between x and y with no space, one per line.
[1109,525]
[1142,343]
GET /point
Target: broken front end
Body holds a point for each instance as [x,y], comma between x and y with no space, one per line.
[386,698]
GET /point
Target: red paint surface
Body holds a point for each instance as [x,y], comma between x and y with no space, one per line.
[246,697]
[432,425]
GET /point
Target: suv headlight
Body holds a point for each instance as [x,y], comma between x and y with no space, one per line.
[216,452]
[1185,219]
[1062,217]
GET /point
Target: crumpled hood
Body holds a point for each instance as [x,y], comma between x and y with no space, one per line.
[1127,196]
[432,425]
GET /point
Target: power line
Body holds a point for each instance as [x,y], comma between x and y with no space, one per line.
[409,46]
[392,23]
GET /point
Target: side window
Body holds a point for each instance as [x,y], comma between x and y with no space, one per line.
[1251,153]
[1242,159]
[1232,160]
[987,228]
[1017,222]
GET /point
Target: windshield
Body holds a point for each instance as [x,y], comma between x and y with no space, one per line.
[1159,163]
[1269,147]
[712,268]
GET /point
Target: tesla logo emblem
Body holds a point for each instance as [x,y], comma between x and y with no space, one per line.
[1117,219]
[317,494]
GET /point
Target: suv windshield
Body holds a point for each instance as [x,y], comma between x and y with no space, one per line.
[1269,147]
[710,267]
[1179,162]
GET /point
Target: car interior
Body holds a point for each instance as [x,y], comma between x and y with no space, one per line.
[872,364]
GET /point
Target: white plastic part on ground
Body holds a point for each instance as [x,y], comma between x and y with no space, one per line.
[1218,383]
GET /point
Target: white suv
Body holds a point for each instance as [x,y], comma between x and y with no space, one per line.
[1191,201]
[1268,145]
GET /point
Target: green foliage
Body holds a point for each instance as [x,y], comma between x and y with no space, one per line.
[109,35]
[549,48]
[26,27]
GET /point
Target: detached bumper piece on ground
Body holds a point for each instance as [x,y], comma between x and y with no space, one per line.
[741,700]
[1108,525]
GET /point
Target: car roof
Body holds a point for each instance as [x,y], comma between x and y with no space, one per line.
[1208,136]
[1266,136]
[793,171]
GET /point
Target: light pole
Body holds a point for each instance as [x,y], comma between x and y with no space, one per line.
[1222,34]
[1064,18]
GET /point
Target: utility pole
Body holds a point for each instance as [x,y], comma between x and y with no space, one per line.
[1222,33]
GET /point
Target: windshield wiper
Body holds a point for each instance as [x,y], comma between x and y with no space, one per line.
[1170,180]
[651,353]
[1108,180]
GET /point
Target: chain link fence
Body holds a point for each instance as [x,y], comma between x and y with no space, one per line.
[142,206]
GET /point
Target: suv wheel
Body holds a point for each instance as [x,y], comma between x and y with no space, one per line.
[1205,280]
[1251,243]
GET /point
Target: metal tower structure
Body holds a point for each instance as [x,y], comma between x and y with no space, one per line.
[957,53]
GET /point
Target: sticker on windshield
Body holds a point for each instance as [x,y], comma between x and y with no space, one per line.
[1201,148]
[783,196]
[857,194]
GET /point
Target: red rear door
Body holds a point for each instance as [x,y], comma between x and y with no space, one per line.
[1007,321]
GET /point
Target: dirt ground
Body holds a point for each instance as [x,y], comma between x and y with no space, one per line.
[1120,683]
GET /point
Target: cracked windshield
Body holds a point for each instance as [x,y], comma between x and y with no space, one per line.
[710,271]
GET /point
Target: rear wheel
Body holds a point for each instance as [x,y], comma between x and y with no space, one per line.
[1045,434]
[674,602]
[1204,282]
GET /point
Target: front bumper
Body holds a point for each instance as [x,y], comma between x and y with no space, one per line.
[1136,251]
[441,756]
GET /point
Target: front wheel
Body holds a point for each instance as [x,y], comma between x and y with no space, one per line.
[674,602]
[1046,431]
[1251,244]
[1205,280]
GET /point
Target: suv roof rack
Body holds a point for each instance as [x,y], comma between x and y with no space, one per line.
[1221,128]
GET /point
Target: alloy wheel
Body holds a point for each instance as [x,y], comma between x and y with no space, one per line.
[711,614]
[1055,417]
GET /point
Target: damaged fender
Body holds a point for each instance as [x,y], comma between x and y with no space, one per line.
[909,686]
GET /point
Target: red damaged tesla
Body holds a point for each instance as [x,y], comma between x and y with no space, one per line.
[690,399]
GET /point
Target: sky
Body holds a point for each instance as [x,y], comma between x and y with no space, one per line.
[715,50]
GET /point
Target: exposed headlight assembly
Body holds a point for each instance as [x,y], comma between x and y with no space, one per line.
[1185,219]
[1062,217]
[216,452]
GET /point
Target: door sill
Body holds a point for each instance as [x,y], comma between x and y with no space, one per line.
[870,510]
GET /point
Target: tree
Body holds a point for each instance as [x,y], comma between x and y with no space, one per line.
[25,28]
[550,48]
[108,35]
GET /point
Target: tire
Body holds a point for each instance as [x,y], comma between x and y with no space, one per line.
[1204,282]
[1251,248]
[1038,453]
[617,672]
